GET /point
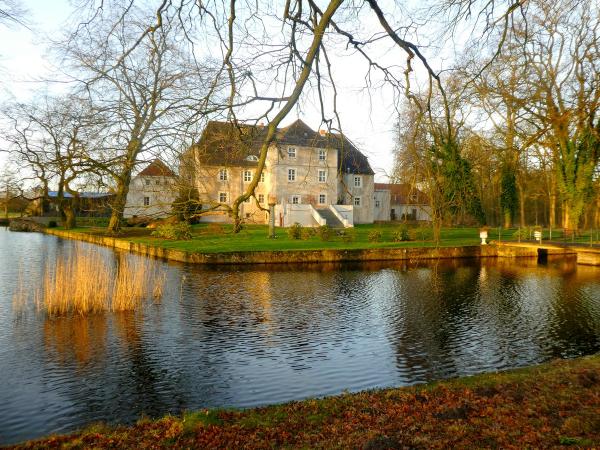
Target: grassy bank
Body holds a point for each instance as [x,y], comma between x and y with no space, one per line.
[555,404]
[210,239]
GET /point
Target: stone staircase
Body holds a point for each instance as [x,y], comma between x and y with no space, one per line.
[330,218]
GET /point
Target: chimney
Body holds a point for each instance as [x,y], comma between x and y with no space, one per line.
[322,132]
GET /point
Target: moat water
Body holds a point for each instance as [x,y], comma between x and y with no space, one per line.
[248,336]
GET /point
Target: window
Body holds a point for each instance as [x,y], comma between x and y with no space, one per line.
[223,196]
[146,201]
[147,182]
[322,176]
[158,182]
[295,199]
[357,181]
[356,201]
[247,200]
[322,154]
[223,175]
[261,198]
[262,177]
[247,176]
[377,203]
[291,174]
[291,152]
[251,158]
[322,199]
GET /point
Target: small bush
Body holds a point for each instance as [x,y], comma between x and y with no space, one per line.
[308,232]
[181,231]
[349,235]
[401,234]
[421,234]
[324,233]
[215,228]
[375,236]
[295,231]
[52,224]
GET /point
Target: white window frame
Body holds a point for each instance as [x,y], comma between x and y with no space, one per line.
[226,195]
[261,198]
[322,154]
[262,177]
[292,152]
[296,199]
[247,176]
[357,201]
[223,175]
[357,181]
[324,178]
[146,201]
[324,197]
[291,175]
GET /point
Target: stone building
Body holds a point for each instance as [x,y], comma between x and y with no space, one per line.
[151,192]
[316,177]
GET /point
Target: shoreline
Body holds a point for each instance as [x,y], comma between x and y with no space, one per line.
[551,404]
[317,256]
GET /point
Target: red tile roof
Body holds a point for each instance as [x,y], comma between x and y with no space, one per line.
[157,168]
[403,194]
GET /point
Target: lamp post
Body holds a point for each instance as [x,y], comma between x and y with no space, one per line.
[272,200]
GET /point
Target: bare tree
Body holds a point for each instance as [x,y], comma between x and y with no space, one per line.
[143,87]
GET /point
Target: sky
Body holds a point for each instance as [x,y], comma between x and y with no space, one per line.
[367,117]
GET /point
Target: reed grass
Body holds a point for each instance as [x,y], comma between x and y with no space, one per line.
[83,283]
[20,296]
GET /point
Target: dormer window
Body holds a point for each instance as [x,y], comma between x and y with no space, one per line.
[251,158]
[291,152]
[223,175]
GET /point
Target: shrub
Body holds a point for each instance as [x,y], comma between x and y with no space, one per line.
[52,224]
[401,234]
[324,233]
[295,231]
[349,235]
[181,231]
[421,234]
[523,233]
[308,232]
[375,236]
[215,228]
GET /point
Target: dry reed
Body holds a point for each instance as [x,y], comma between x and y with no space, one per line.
[83,283]
[20,296]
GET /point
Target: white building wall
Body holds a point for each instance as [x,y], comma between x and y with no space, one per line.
[150,196]
[381,208]
[350,189]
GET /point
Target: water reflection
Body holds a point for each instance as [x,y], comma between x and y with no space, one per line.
[244,336]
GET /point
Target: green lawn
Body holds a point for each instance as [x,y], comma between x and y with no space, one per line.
[211,239]
[220,238]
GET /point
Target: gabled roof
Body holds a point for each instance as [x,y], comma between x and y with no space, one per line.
[224,143]
[157,168]
[403,194]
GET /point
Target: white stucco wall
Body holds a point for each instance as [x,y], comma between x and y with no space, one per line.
[381,208]
[159,191]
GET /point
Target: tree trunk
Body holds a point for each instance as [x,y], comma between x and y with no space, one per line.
[507,218]
[552,211]
[70,217]
[118,205]
[521,206]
